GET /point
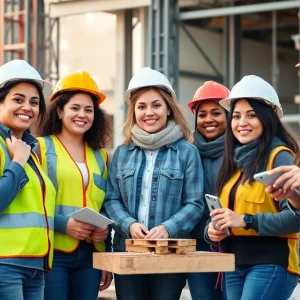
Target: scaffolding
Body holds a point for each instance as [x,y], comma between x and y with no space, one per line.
[26,33]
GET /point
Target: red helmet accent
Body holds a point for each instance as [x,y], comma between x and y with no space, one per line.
[210,90]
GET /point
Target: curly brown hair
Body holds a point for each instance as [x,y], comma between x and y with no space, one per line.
[97,137]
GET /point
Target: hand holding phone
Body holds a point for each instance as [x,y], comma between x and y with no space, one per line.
[267,179]
[213,203]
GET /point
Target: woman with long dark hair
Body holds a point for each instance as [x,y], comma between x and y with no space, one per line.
[264,233]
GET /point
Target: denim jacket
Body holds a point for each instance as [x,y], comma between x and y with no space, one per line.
[176,190]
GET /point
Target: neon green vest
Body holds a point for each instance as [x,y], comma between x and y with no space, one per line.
[67,178]
[27,224]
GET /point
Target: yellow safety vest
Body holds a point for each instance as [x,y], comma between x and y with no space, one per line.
[253,199]
[67,178]
[27,224]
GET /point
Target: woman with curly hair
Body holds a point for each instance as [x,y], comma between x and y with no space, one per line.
[71,145]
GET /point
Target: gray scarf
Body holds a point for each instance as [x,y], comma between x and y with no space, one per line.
[168,135]
[245,155]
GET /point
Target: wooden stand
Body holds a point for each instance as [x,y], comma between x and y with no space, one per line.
[149,263]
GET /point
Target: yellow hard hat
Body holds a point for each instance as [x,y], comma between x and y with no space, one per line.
[78,81]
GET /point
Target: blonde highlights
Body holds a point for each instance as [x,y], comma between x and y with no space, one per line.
[175,114]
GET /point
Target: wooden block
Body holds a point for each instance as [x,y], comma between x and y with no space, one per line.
[148,263]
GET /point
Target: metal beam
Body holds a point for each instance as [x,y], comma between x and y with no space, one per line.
[290,118]
[63,9]
[200,76]
[200,49]
[238,10]
[123,71]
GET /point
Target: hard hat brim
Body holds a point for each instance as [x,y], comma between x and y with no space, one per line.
[193,103]
[128,92]
[101,97]
[226,103]
[45,85]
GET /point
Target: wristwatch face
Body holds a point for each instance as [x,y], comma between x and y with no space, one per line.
[248,219]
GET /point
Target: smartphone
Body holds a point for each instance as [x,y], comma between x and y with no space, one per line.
[213,203]
[267,179]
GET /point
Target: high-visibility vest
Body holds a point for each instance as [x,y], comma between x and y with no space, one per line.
[27,224]
[253,199]
[67,178]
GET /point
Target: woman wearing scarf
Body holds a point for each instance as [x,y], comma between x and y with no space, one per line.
[210,126]
[264,233]
[155,185]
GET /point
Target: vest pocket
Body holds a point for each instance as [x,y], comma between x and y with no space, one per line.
[257,194]
[125,178]
[170,181]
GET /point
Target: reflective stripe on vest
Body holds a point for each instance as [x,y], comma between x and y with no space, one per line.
[29,220]
[51,160]
[71,195]
[65,210]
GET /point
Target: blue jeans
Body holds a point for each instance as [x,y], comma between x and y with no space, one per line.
[202,285]
[261,282]
[149,286]
[21,283]
[72,276]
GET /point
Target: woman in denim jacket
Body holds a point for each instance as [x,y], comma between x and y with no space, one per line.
[155,186]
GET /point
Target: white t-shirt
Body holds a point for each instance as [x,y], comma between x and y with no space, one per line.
[143,214]
[84,172]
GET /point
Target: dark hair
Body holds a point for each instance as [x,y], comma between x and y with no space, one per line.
[272,127]
[11,84]
[97,136]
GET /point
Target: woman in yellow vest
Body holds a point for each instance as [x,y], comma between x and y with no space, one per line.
[73,136]
[27,195]
[263,232]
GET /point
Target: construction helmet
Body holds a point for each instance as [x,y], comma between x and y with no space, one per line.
[210,90]
[78,81]
[147,77]
[254,87]
[20,69]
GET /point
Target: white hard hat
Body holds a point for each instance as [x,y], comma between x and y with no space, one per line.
[20,69]
[148,77]
[254,87]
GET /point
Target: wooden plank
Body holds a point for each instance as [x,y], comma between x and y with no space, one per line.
[134,248]
[161,242]
[147,263]
[181,250]
[142,242]
[183,243]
